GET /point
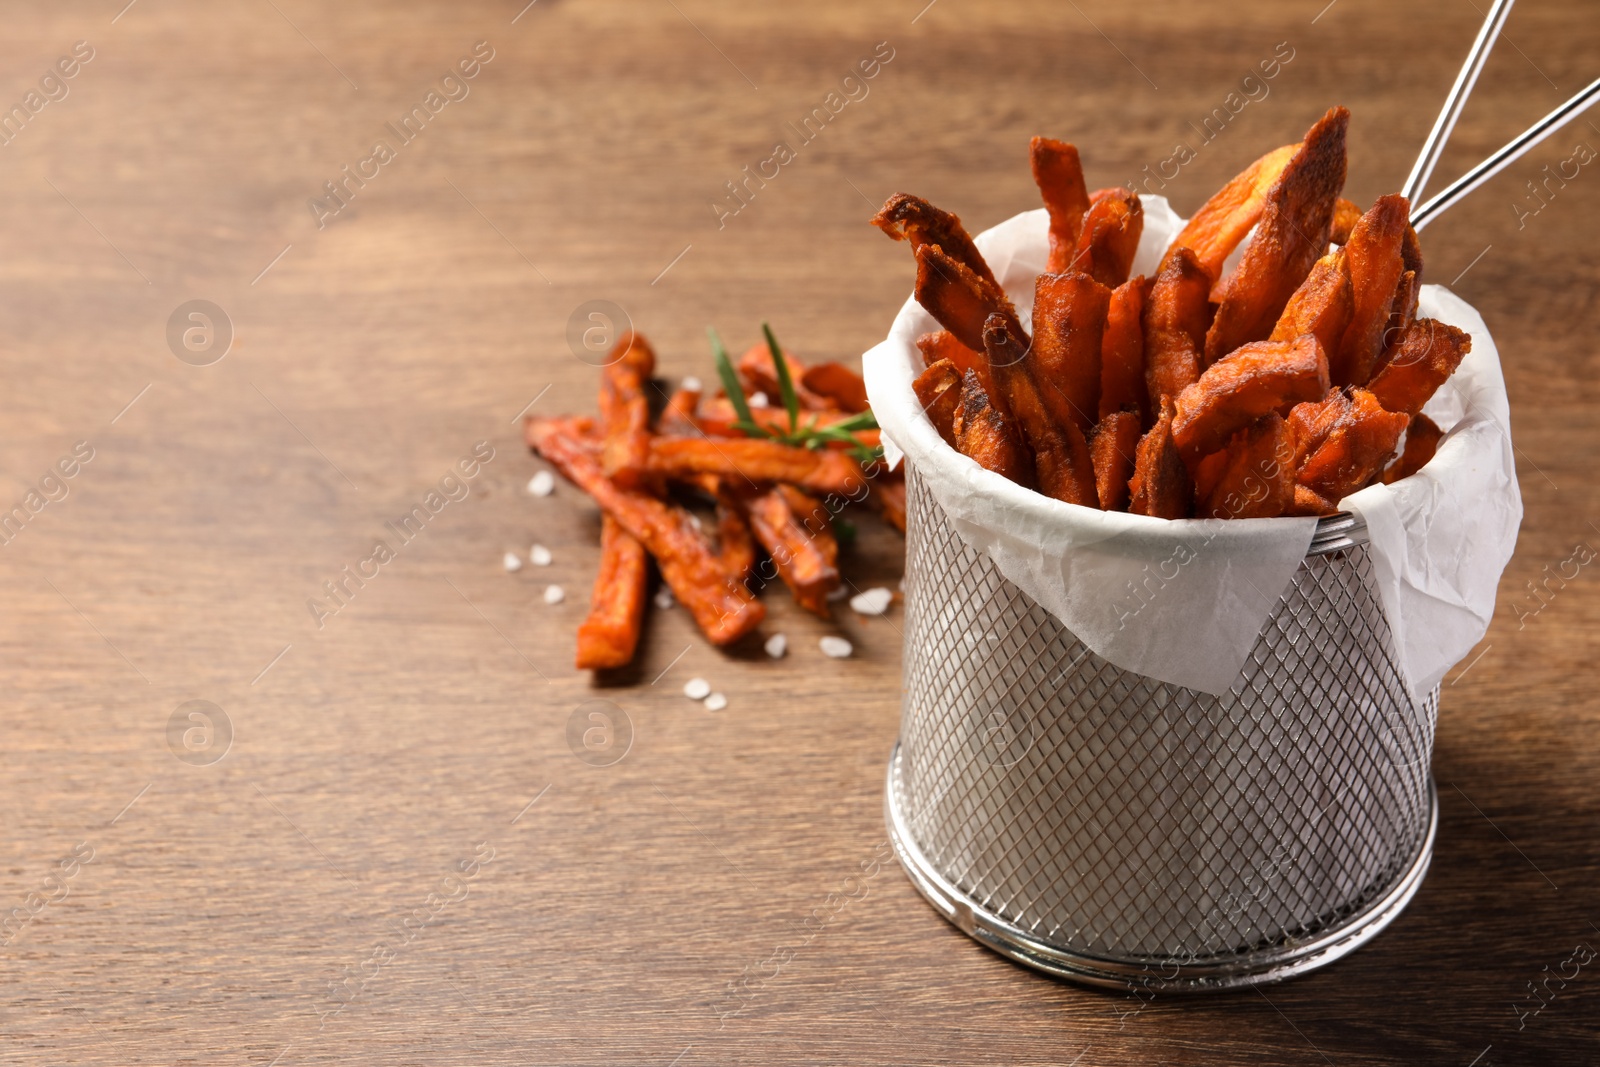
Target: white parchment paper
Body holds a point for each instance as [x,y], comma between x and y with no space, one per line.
[1183,601]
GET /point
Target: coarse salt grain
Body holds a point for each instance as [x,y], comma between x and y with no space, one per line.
[691,383]
[512,563]
[835,647]
[554,594]
[776,646]
[542,484]
[758,400]
[697,689]
[664,598]
[539,556]
[716,702]
[872,602]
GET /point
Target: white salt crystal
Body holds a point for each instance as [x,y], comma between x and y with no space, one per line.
[758,400]
[539,556]
[835,647]
[554,594]
[776,646]
[716,702]
[872,602]
[542,484]
[664,598]
[691,383]
[697,689]
[512,563]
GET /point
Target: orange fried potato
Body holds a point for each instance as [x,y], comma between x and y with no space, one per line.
[625,409]
[1175,320]
[1310,502]
[1259,378]
[1291,236]
[938,390]
[1061,460]
[1059,175]
[754,460]
[988,436]
[1255,478]
[1114,448]
[1321,306]
[1428,354]
[943,345]
[1373,256]
[610,632]
[1402,316]
[1359,440]
[679,417]
[1122,384]
[837,384]
[757,373]
[962,302]
[1422,441]
[1345,214]
[736,547]
[806,559]
[1109,237]
[1069,318]
[910,218]
[1224,220]
[1160,486]
[722,606]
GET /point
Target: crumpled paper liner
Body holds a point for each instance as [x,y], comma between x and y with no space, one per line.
[1183,601]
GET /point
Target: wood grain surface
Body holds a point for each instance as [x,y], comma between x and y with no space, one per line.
[398,859]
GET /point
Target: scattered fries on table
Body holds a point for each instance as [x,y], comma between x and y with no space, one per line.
[776,477]
[1275,388]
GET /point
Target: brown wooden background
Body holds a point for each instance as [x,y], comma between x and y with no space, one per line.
[377,753]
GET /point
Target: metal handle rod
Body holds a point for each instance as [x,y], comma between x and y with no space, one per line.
[1433,147]
[1510,152]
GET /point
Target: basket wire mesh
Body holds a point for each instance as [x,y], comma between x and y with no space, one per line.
[1104,826]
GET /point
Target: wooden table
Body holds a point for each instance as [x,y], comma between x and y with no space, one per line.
[398,858]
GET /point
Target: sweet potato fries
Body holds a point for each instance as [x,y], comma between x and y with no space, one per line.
[1278,387]
[776,478]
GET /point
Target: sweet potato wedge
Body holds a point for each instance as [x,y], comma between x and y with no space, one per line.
[625,408]
[680,416]
[1114,449]
[910,218]
[1160,486]
[1429,353]
[610,632]
[1059,175]
[1309,502]
[962,302]
[942,344]
[1109,237]
[1224,220]
[753,461]
[1322,306]
[1061,460]
[1175,321]
[1122,384]
[1345,215]
[721,605]
[1373,256]
[1422,441]
[1259,378]
[1069,318]
[1359,440]
[806,560]
[838,385]
[1291,236]
[938,390]
[987,436]
[1255,479]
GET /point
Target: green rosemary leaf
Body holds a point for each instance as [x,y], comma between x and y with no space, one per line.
[791,399]
[730,380]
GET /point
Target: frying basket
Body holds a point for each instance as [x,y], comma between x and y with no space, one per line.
[1102,826]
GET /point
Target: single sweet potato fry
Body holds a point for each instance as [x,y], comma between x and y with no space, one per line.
[1122,384]
[679,417]
[1291,236]
[938,390]
[757,373]
[1401,317]
[805,560]
[1114,448]
[943,345]
[838,385]
[1060,452]
[1345,214]
[1069,318]
[1422,441]
[1358,443]
[1260,377]
[610,632]
[1224,220]
[1373,256]
[1321,306]
[721,605]
[1256,477]
[1175,320]
[1429,353]
[1160,486]
[962,302]
[988,436]
[1109,237]
[910,218]
[752,460]
[625,409]
[1059,175]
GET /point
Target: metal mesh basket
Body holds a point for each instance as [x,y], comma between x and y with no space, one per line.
[1106,827]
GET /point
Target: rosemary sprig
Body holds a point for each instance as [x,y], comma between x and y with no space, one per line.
[791,399]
